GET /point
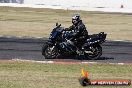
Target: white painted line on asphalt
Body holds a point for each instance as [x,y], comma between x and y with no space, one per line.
[118,63]
[121,63]
[45,62]
[60,62]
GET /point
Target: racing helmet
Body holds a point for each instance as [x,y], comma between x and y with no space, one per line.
[75,19]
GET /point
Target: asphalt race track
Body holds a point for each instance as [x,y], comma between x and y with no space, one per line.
[30,49]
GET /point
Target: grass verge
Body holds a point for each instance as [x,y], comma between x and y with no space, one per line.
[35,75]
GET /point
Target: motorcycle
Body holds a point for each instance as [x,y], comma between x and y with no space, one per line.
[59,44]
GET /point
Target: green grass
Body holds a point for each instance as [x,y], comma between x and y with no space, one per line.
[34,75]
[39,22]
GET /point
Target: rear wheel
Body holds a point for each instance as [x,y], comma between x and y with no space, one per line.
[49,52]
[94,53]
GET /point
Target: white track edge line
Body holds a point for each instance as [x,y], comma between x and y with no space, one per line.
[53,62]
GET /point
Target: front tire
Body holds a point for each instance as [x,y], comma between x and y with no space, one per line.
[49,52]
[96,52]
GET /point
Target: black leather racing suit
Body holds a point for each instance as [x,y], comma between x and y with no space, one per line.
[79,33]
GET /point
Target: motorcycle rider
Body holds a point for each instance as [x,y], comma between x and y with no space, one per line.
[80,33]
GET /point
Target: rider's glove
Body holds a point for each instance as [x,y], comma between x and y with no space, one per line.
[66,29]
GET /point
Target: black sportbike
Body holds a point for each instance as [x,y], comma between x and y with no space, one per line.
[59,44]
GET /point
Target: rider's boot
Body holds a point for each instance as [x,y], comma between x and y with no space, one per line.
[80,51]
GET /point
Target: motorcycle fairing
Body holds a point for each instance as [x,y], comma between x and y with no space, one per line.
[67,48]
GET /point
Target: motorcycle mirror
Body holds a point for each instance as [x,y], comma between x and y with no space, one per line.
[57,24]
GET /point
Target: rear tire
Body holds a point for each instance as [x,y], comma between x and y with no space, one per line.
[49,52]
[96,53]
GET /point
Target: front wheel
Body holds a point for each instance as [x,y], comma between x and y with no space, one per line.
[95,52]
[49,52]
